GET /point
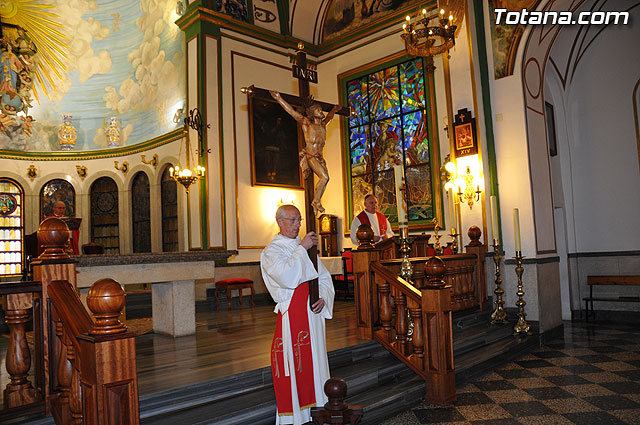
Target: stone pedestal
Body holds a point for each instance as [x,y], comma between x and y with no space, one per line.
[173,305]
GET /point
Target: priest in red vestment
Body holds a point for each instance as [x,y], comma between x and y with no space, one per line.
[371,216]
[299,363]
[60,211]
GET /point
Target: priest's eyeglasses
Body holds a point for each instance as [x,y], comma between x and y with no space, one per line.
[294,220]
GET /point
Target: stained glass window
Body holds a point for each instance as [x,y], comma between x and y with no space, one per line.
[390,127]
[11,227]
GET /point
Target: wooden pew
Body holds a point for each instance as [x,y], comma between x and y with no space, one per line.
[610,280]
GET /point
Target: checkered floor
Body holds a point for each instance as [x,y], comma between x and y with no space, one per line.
[593,377]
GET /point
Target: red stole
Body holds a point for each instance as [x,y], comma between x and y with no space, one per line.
[382,221]
[302,358]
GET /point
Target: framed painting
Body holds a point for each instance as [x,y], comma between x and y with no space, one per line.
[464,129]
[275,146]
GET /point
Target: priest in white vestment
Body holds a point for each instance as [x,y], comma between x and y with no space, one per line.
[371,216]
[299,362]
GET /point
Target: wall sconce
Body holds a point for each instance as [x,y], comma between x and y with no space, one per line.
[469,195]
[124,167]
[153,161]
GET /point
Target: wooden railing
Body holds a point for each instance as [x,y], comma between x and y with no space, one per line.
[96,371]
[88,363]
[386,304]
[415,325]
[465,273]
[21,305]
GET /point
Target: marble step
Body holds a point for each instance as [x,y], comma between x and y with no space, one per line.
[366,368]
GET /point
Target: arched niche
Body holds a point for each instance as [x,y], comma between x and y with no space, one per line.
[104,215]
[169,202]
[141,212]
[57,190]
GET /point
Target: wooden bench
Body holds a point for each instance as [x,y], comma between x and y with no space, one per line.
[609,280]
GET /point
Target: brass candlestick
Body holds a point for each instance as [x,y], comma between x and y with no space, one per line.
[521,327]
[499,316]
[454,240]
[436,245]
[406,269]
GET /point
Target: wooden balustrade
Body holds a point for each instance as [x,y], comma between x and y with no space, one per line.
[429,308]
[465,273]
[20,302]
[88,364]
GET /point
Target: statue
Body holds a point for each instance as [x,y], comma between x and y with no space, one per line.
[112,131]
[67,134]
[314,127]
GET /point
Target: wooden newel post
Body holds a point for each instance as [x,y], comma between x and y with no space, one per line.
[110,390]
[336,411]
[436,311]
[366,309]
[53,264]
[480,250]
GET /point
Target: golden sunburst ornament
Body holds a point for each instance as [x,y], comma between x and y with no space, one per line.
[41,30]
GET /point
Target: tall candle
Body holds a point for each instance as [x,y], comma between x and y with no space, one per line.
[516,228]
[452,209]
[400,205]
[494,218]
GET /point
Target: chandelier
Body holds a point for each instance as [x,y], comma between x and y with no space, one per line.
[187,176]
[421,39]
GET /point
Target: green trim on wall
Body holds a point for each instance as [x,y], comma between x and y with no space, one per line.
[194,15]
[221,135]
[95,154]
[486,105]
[283,12]
[203,142]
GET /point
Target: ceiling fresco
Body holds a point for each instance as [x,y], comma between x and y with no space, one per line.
[112,58]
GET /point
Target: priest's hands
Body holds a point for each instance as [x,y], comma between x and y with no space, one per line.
[318,306]
[309,240]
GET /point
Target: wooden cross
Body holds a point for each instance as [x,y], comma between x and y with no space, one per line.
[304,76]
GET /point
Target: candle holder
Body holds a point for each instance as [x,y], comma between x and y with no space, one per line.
[406,269]
[521,326]
[436,245]
[499,315]
[454,240]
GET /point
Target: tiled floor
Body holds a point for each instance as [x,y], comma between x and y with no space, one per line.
[593,377]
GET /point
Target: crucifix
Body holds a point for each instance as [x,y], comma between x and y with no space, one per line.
[313,123]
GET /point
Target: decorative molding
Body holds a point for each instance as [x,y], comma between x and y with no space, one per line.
[32,172]
[82,171]
[97,154]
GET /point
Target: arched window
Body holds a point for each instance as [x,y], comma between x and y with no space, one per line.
[392,126]
[104,215]
[169,200]
[140,205]
[57,190]
[11,227]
